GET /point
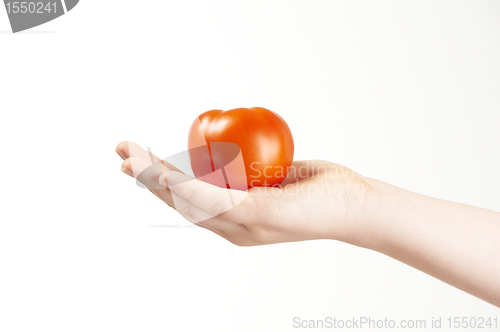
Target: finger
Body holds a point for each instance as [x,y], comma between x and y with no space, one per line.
[189,211]
[202,218]
[147,174]
[129,149]
[211,199]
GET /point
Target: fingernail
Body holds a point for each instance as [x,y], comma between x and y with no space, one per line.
[128,172]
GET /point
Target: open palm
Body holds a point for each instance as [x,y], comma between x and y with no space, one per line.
[317,200]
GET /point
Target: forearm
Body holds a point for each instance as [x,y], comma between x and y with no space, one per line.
[456,243]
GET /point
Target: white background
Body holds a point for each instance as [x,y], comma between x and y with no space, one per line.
[405,92]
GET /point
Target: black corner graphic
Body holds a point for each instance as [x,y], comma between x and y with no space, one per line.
[25,15]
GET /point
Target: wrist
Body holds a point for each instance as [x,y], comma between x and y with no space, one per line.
[384,207]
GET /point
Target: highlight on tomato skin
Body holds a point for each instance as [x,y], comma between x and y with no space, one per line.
[241,148]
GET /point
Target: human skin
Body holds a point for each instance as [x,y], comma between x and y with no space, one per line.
[456,243]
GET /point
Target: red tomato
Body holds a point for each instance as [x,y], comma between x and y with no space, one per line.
[261,137]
